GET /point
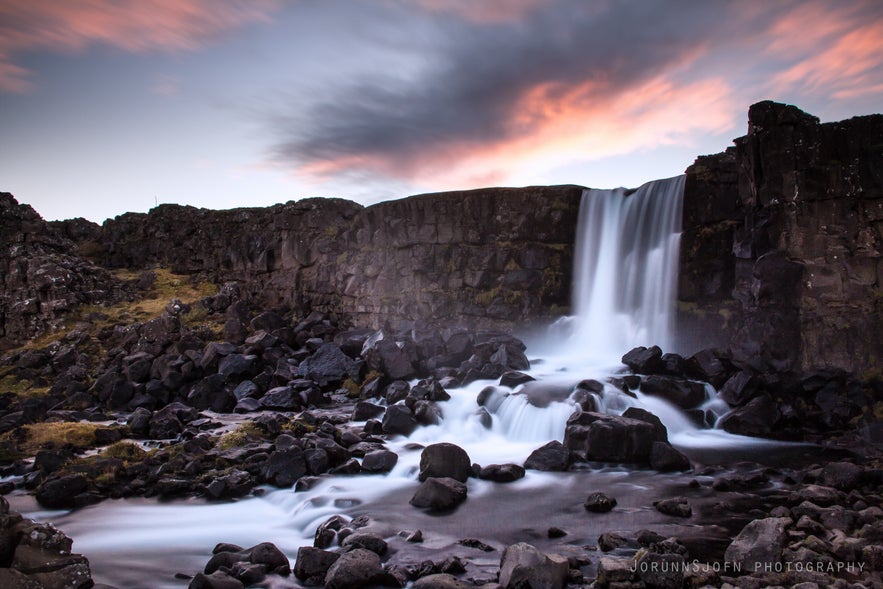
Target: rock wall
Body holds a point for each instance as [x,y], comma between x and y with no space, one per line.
[490,257]
[41,275]
[783,234]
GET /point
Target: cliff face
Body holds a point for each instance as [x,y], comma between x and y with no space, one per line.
[489,257]
[783,234]
[41,275]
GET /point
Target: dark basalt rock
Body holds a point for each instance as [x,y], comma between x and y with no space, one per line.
[439,494]
[551,457]
[682,393]
[501,473]
[599,503]
[398,419]
[445,460]
[608,438]
[312,564]
[353,570]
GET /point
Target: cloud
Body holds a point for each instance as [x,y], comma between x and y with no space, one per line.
[494,96]
[131,25]
[834,52]
[483,11]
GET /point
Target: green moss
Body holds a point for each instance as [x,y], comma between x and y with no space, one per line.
[21,387]
[126,451]
[244,433]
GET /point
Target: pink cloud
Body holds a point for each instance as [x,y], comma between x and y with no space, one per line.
[834,50]
[556,124]
[131,25]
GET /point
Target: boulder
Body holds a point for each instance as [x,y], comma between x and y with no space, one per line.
[501,473]
[439,494]
[599,503]
[679,392]
[398,419]
[382,353]
[665,458]
[284,467]
[61,492]
[379,461]
[353,570]
[644,360]
[440,581]
[756,418]
[551,457]
[739,388]
[609,438]
[445,460]
[328,365]
[759,543]
[366,540]
[675,506]
[523,565]
[312,564]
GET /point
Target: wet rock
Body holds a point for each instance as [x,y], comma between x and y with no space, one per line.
[379,461]
[707,365]
[283,398]
[665,458]
[644,360]
[427,413]
[675,506]
[383,354]
[328,365]
[445,460]
[513,378]
[353,570]
[240,365]
[844,476]
[551,457]
[608,438]
[440,581]
[661,571]
[396,391]
[611,541]
[759,543]
[681,393]
[284,467]
[398,419]
[756,418]
[366,540]
[739,388]
[523,565]
[312,564]
[599,503]
[439,494]
[326,533]
[61,492]
[615,571]
[491,398]
[363,411]
[501,473]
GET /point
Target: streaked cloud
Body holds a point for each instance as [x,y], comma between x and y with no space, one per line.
[130,25]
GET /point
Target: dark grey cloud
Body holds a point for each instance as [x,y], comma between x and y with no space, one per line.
[476,73]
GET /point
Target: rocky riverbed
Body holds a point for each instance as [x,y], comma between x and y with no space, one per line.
[326,422]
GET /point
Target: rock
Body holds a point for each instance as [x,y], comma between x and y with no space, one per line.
[612,569]
[759,543]
[363,411]
[661,571]
[139,422]
[665,458]
[599,503]
[328,365]
[445,460]
[427,413]
[609,438]
[644,360]
[398,419]
[611,541]
[61,492]
[440,581]
[366,540]
[551,457]
[353,570]
[383,354]
[706,365]
[522,565]
[216,580]
[501,473]
[284,467]
[50,568]
[396,391]
[676,506]
[681,393]
[312,564]
[439,494]
[379,461]
[756,418]
[739,388]
[283,398]
[844,476]
[513,378]
[240,365]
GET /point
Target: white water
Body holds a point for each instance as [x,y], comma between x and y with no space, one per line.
[625,277]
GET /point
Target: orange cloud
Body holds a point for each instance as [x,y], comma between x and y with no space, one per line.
[131,25]
[554,125]
[835,51]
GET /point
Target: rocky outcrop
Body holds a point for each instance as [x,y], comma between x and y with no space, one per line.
[486,257]
[782,247]
[42,277]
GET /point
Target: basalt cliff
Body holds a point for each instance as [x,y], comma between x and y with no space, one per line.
[780,257]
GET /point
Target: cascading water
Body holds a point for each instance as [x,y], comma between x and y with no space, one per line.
[625,269]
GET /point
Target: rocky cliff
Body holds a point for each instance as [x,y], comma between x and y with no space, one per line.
[42,276]
[783,234]
[490,257]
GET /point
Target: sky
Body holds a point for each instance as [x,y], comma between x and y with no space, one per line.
[109,106]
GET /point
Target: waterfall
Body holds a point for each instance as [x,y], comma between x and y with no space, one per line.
[625,268]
